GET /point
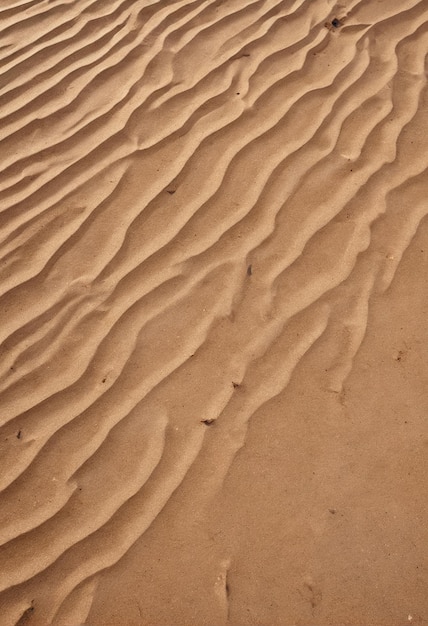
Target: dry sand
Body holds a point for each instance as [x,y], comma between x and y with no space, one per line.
[213,313]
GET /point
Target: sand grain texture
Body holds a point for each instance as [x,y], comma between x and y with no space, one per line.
[213,373]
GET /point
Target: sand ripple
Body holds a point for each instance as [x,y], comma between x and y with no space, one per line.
[193,193]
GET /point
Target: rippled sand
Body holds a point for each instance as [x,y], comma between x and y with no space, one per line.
[214,258]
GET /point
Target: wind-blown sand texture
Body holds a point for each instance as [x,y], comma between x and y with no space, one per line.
[214,256]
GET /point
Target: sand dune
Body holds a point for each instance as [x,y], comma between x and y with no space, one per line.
[212,229]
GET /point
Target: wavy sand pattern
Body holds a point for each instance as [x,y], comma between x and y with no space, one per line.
[194,196]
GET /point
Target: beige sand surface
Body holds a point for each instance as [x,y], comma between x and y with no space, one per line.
[213,312]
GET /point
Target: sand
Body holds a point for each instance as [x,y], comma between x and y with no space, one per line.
[214,259]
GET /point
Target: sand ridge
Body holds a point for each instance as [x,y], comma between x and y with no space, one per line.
[193,195]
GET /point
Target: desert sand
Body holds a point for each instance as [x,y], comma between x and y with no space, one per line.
[213,313]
